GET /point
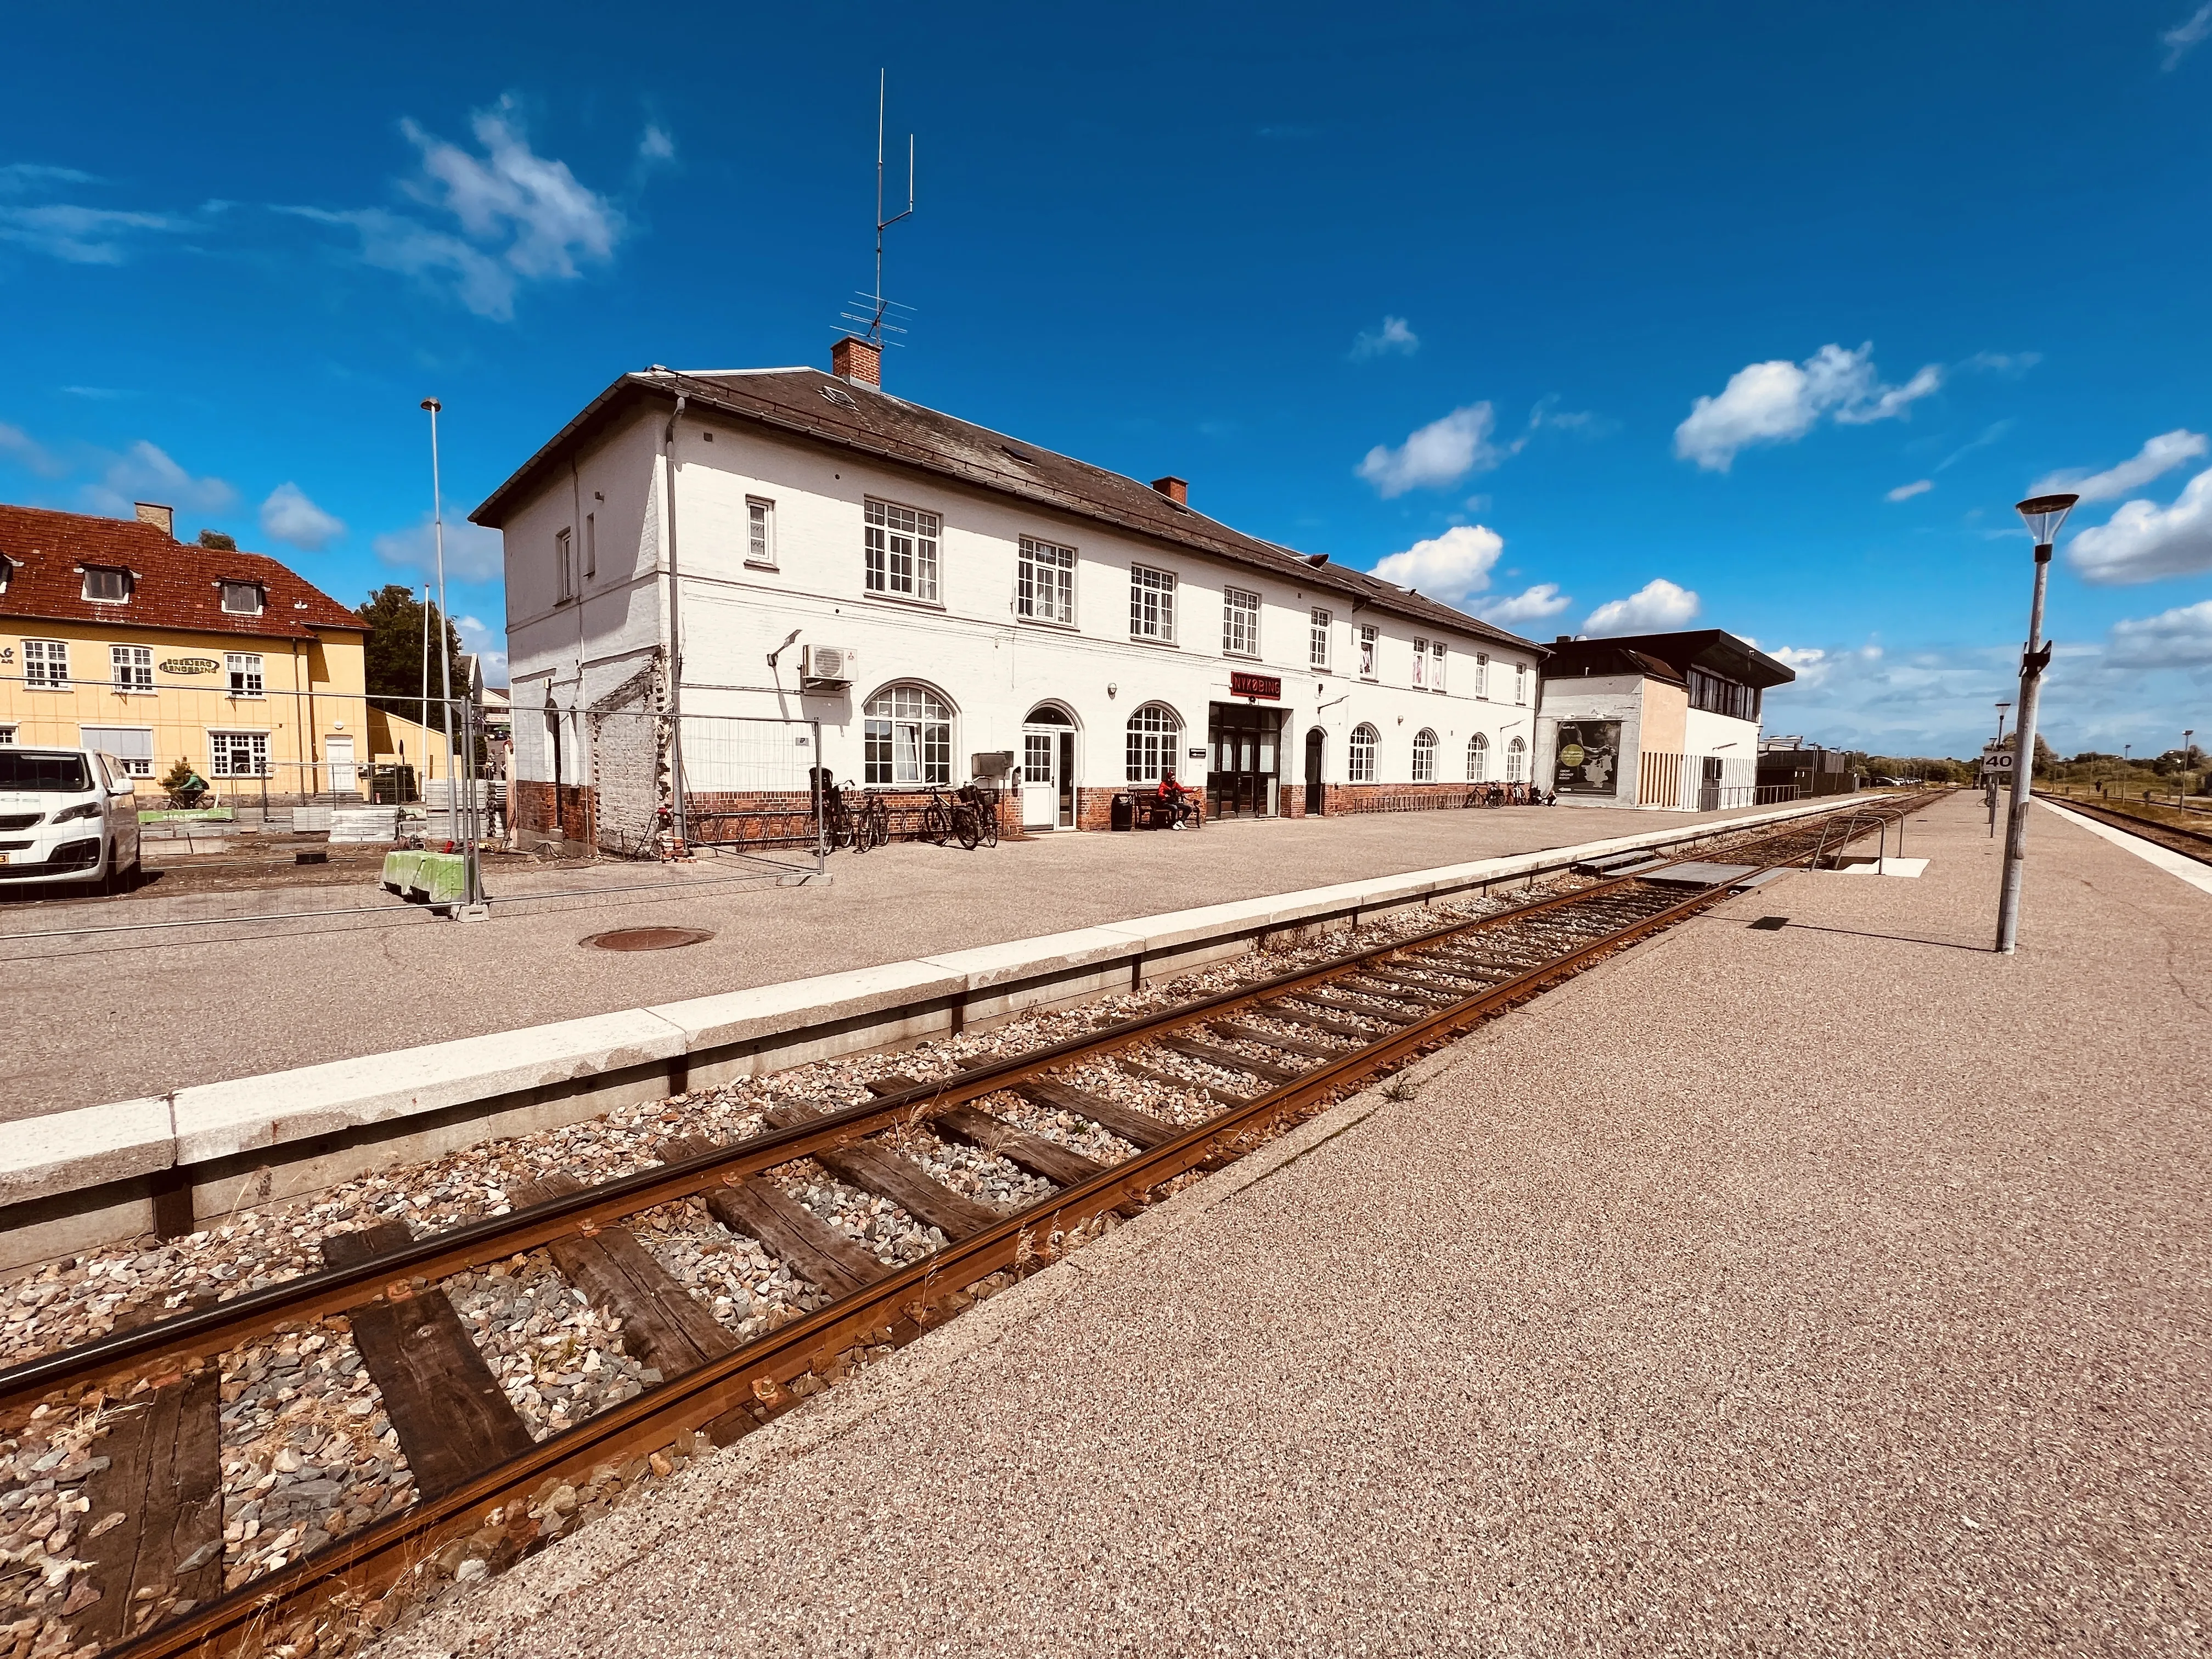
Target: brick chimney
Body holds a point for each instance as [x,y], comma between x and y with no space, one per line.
[1176,489]
[163,519]
[860,362]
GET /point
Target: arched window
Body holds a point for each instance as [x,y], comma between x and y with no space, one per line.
[907,737]
[1425,756]
[1477,758]
[1517,753]
[1155,734]
[1364,740]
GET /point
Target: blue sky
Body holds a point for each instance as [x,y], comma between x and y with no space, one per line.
[1592,316]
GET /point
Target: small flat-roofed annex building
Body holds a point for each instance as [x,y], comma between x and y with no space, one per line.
[932,591]
[1668,721]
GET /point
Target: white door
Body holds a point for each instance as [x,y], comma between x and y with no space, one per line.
[338,751]
[1040,777]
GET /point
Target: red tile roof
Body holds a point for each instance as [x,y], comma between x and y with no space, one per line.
[174,584]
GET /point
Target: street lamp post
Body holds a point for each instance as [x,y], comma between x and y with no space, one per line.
[2043,515]
[454,819]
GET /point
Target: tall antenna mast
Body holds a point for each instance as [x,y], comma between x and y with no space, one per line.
[876,321]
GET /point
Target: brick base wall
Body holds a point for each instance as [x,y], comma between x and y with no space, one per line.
[1339,799]
[552,811]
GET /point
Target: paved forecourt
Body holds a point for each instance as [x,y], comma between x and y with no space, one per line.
[124,1016]
[1831,1289]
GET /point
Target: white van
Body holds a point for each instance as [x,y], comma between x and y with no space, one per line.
[67,815]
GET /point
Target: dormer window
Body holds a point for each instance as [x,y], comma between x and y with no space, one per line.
[106,583]
[7,571]
[242,598]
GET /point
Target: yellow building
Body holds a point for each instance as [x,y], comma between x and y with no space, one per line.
[117,636]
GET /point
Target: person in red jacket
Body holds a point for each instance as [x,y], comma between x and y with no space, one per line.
[1180,804]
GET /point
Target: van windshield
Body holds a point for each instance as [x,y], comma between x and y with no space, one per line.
[27,769]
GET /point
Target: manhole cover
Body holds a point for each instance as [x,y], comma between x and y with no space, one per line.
[648,938]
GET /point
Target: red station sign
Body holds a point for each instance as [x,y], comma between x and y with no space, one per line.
[1255,686]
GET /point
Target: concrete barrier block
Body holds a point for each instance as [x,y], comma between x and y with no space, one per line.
[221,1120]
[65,1152]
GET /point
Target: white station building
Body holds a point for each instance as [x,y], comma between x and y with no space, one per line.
[704,569]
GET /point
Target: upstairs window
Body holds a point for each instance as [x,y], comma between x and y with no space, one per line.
[902,551]
[1436,665]
[1723,697]
[1367,651]
[1364,740]
[590,544]
[106,583]
[133,666]
[1520,685]
[243,598]
[1044,582]
[244,669]
[1240,623]
[564,566]
[1317,640]
[760,532]
[1152,605]
[1482,673]
[1420,664]
[46,664]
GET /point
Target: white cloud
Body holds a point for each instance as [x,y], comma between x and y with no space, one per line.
[1530,605]
[486,642]
[289,517]
[1656,606]
[656,144]
[1907,492]
[145,473]
[2180,638]
[18,177]
[1440,454]
[1395,337]
[2158,457]
[520,217]
[1449,566]
[1813,664]
[2191,32]
[473,554]
[2010,364]
[2144,541]
[79,235]
[1779,402]
[29,453]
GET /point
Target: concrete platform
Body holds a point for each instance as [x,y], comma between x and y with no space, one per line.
[119,1016]
[1836,1289]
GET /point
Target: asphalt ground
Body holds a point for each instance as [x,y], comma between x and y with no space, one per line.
[1832,1290]
[100,1016]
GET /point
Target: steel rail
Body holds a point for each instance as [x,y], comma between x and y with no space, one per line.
[910,1300]
[2154,830]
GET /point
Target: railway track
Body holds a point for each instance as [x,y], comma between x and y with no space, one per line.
[141,1554]
[2175,838]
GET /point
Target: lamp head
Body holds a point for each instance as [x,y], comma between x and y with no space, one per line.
[432,404]
[2043,515]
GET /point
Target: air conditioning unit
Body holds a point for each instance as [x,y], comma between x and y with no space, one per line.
[827,665]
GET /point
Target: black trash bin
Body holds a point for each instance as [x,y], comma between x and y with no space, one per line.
[1123,815]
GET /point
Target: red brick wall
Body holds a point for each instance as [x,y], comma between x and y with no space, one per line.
[560,811]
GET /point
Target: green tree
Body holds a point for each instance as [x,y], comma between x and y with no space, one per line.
[394,649]
[219,541]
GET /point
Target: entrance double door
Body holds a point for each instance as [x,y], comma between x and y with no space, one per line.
[1047,773]
[1246,770]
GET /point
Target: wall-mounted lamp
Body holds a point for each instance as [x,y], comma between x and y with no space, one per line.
[1111,689]
[780,649]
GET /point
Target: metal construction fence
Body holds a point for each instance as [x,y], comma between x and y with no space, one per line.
[1704,783]
[740,785]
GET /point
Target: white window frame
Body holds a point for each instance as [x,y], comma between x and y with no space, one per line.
[135,765]
[1371,649]
[1152,604]
[1420,663]
[92,598]
[1516,754]
[1482,674]
[130,668]
[564,566]
[1044,582]
[1153,742]
[1360,753]
[900,547]
[48,656]
[1436,665]
[1425,756]
[219,752]
[1240,622]
[1318,640]
[905,737]
[228,586]
[760,532]
[1477,758]
[7,735]
[1521,684]
[243,673]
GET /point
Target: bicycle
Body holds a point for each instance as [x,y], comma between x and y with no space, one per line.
[983,803]
[951,818]
[872,826]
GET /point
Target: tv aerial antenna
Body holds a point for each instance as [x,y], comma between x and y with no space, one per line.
[878,320]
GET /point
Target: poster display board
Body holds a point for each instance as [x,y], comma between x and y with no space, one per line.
[1588,759]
